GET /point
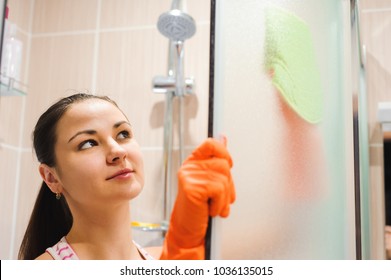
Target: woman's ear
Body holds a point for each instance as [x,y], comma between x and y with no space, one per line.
[49,175]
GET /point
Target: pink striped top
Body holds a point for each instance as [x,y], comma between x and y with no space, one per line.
[63,251]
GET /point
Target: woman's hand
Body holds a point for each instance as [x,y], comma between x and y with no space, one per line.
[205,188]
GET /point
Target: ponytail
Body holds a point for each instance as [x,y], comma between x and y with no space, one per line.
[50,220]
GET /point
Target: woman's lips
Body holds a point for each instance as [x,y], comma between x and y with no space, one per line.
[122,174]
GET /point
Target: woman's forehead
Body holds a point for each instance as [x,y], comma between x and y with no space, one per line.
[91,112]
[92,108]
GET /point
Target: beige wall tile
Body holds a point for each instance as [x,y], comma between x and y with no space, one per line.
[197,65]
[375,26]
[199,9]
[374,4]
[19,13]
[64,15]
[377,83]
[125,13]
[10,119]
[59,66]
[376,157]
[8,170]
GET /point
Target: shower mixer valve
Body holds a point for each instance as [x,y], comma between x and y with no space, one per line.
[161,84]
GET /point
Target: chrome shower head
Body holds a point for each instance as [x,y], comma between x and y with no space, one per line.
[176,25]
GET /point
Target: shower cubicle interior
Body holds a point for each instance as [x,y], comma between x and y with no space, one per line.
[294,164]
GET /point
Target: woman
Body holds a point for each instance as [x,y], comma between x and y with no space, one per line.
[91,166]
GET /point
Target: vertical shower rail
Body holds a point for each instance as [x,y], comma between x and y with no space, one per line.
[177,26]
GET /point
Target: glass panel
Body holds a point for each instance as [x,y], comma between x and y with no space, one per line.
[362,133]
[283,98]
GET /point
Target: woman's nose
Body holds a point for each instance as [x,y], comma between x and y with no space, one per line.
[116,153]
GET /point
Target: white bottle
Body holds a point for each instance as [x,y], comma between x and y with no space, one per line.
[11,58]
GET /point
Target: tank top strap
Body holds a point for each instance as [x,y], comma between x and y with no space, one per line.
[62,251]
[143,253]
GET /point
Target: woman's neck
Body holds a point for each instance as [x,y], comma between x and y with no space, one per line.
[103,234]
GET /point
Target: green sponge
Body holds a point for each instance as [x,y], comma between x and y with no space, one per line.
[290,56]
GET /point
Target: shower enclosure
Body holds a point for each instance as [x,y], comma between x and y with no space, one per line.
[283,95]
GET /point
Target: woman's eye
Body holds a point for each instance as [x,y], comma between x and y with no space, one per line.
[124,135]
[87,144]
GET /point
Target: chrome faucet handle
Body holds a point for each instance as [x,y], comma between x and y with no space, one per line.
[162,84]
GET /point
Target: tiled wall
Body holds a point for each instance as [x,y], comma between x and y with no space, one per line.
[375,17]
[109,47]
[13,154]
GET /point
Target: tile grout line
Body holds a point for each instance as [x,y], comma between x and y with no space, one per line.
[96,48]
[375,10]
[102,30]
[376,145]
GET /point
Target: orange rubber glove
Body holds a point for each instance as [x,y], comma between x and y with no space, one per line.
[205,188]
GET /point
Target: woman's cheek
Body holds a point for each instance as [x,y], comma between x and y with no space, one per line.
[89,167]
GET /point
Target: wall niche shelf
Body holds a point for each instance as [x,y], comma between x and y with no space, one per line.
[12,88]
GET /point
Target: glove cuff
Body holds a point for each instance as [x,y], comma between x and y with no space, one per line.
[173,252]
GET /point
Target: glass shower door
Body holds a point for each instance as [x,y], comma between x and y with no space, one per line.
[282,96]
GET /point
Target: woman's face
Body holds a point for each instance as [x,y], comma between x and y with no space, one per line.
[97,158]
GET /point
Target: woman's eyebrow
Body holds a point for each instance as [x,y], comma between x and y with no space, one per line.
[92,132]
[118,124]
[87,131]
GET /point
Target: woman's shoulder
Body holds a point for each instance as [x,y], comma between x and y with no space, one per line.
[45,256]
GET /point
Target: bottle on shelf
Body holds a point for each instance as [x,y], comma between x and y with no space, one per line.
[11,55]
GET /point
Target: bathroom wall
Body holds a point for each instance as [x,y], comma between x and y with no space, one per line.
[13,154]
[108,47]
[375,18]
